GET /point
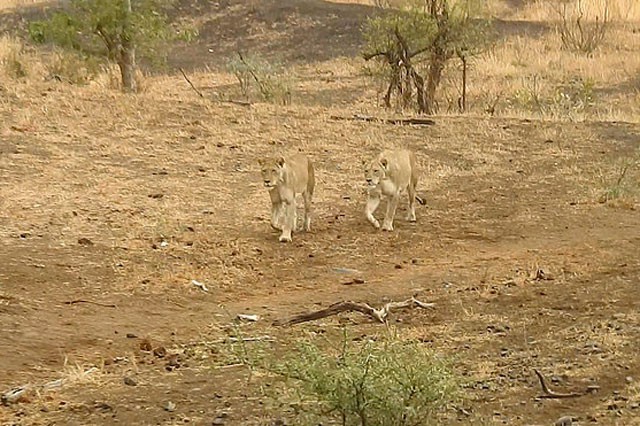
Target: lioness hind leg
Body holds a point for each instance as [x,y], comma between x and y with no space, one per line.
[372,204]
[411,214]
[392,205]
[289,221]
[307,210]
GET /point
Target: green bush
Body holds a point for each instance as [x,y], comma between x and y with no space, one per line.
[390,382]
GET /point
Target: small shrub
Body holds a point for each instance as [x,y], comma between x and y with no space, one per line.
[72,67]
[623,190]
[529,97]
[389,382]
[268,78]
[579,34]
[576,96]
[13,58]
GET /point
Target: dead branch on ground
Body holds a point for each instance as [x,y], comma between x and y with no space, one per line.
[371,119]
[379,315]
[236,102]
[549,394]
[106,305]
[190,83]
[195,89]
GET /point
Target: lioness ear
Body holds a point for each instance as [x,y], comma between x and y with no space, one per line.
[384,162]
[280,161]
[261,161]
[364,162]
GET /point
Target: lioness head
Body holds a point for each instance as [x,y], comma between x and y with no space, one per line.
[272,171]
[375,171]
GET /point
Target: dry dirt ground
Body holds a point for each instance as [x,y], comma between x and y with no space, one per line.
[111,204]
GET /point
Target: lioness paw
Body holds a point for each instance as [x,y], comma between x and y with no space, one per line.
[284,239]
[387,227]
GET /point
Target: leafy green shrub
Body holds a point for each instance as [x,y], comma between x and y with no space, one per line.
[415,44]
[390,382]
[118,30]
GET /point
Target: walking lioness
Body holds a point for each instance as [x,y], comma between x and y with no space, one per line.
[388,174]
[286,177]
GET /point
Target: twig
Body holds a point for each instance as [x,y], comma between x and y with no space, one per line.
[20,392]
[379,315]
[190,83]
[414,121]
[548,393]
[261,85]
[235,102]
[106,305]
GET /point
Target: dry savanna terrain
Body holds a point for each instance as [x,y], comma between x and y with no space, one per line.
[112,204]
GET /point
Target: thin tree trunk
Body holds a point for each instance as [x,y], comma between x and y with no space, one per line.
[433,81]
[463,105]
[127,59]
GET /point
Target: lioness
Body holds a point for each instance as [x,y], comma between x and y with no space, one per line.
[388,174]
[286,177]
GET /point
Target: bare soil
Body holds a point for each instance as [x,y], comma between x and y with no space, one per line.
[111,204]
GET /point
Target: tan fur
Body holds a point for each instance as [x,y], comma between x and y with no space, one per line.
[389,174]
[286,177]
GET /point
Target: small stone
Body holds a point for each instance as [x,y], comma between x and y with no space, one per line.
[628,379]
[130,382]
[564,421]
[160,352]
[85,242]
[145,345]
[170,406]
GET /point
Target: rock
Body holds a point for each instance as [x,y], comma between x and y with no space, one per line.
[85,242]
[160,352]
[145,345]
[130,382]
[170,406]
[564,421]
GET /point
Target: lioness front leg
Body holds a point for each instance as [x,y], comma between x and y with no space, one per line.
[392,205]
[289,221]
[372,204]
[276,210]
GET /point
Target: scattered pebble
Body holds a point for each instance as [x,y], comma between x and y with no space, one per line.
[564,421]
[130,382]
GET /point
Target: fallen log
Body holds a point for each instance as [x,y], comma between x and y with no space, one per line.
[379,315]
[403,121]
[549,394]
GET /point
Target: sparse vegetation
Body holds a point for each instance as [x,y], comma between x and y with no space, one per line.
[580,32]
[626,183]
[255,74]
[12,57]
